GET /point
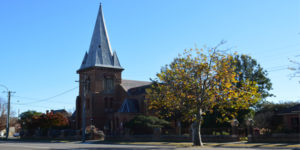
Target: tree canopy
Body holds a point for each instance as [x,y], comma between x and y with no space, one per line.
[247,68]
[3,114]
[27,119]
[199,82]
[32,120]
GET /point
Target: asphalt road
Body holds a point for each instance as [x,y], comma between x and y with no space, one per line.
[13,145]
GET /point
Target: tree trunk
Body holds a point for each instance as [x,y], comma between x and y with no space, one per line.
[197,141]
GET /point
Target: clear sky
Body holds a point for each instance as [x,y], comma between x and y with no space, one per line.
[42,43]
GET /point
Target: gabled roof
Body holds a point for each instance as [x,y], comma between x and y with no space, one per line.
[73,114]
[129,106]
[100,53]
[59,111]
[130,84]
[291,110]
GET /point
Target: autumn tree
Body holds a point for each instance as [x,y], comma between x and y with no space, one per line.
[51,120]
[197,82]
[3,114]
[34,120]
[246,68]
[28,119]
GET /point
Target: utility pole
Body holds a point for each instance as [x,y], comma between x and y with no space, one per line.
[8,113]
[8,109]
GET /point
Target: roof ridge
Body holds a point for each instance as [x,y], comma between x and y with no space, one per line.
[135,80]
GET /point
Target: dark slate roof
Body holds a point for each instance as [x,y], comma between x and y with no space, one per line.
[130,84]
[62,111]
[59,111]
[73,114]
[293,109]
[100,53]
[129,106]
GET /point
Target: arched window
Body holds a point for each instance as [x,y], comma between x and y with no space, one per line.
[109,84]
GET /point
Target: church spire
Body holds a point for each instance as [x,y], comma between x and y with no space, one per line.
[100,53]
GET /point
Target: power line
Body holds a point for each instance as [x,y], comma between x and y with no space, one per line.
[278,54]
[21,99]
[26,98]
[267,55]
[32,105]
[284,53]
[46,99]
[52,102]
[277,69]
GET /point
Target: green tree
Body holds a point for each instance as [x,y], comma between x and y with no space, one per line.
[247,68]
[32,120]
[28,119]
[198,82]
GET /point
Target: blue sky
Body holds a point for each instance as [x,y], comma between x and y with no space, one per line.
[42,43]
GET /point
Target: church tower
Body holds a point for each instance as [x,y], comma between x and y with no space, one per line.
[101,69]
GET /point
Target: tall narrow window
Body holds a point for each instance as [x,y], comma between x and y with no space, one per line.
[109,85]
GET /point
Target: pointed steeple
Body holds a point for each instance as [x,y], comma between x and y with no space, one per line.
[116,60]
[100,53]
[84,60]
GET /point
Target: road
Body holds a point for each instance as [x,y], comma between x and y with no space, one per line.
[13,145]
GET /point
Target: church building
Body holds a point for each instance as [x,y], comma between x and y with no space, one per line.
[110,101]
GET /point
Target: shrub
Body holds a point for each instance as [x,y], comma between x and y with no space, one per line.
[94,133]
[145,124]
[32,120]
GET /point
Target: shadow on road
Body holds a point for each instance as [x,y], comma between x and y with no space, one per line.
[113,148]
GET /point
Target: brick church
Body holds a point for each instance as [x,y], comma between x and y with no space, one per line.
[110,101]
